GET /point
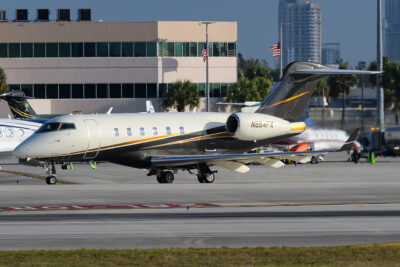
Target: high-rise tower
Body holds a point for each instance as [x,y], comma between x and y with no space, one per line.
[301,30]
[392,29]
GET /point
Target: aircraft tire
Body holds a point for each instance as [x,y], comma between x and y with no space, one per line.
[51,179]
[209,178]
[201,179]
[165,177]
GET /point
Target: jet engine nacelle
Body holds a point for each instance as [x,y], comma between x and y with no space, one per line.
[256,126]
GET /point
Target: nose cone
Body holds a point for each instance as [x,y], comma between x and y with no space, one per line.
[22,151]
[30,148]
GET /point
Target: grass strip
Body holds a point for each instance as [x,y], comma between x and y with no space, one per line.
[367,255]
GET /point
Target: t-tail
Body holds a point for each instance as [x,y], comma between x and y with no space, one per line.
[19,106]
[288,99]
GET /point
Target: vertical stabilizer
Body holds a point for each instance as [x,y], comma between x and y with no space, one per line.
[19,106]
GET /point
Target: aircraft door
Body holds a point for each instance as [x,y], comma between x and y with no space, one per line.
[93,134]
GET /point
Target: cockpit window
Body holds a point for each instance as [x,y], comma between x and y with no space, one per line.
[55,126]
[67,126]
[49,127]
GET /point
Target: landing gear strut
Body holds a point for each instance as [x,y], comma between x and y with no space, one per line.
[51,173]
[205,175]
[165,177]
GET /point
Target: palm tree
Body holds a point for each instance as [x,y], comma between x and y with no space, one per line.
[3,82]
[180,95]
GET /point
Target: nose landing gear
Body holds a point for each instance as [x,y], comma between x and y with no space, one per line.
[51,172]
[205,175]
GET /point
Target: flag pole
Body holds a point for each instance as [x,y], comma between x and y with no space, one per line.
[207,84]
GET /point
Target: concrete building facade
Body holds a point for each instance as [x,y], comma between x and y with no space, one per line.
[392,29]
[89,66]
[301,30]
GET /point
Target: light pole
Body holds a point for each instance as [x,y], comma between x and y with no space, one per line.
[379,96]
[207,84]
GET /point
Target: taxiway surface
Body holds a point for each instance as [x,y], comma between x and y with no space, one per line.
[333,203]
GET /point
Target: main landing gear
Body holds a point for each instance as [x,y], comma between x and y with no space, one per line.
[165,177]
[51,172]
[205,175]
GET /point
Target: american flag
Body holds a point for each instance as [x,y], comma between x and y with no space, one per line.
[204,52]
[276,50]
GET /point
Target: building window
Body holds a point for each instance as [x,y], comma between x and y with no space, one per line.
[115,90]
[155,132]
[162,90]
[64,50]
[178,49]
[201,88]
[127,49]
[181,130]
[102,91]
[90,91]
[115,50]
[186,50]
[215,90]
[52,91]
[90,49]
[170,49]
[116,132]
[129,131]
[151,49]
[168,130]
[140,49]
[193,49]
[28,89]
[39,91]
[140,90]
[216,50]
[77,91]
[231,49]
[14,50]
[77,49]
[3,50]
[26,50]
[51,50]
[151,90]
[224,90]
[64,90]
[141,131]
[200,47]
[102,49]
[128,90]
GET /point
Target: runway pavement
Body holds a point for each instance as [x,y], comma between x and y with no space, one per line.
[333,203]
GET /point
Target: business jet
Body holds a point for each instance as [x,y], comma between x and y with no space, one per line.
[164,143]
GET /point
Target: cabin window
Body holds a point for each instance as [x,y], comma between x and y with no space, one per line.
[181,130]
[168,130]
[49,127]
[155,132]
[67,126]
[129,131]
[141,130]
[116,132]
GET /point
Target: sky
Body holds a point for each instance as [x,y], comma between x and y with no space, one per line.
[349,22]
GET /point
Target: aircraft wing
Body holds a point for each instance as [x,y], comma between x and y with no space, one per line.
[236,162]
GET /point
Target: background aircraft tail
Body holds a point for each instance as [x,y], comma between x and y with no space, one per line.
[288,99]
[19,106]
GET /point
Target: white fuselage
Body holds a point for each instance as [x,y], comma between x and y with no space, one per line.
[13,132]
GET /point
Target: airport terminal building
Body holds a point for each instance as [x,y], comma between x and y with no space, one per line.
[88,66]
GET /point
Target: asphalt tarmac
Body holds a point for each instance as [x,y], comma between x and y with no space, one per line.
[332,203]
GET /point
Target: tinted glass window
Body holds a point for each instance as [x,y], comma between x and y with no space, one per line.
[200,47]
[39,50]
[140,49]
[102,49]
[151,49]
[26,50]
[216,50]
[162,47]
[14,50]
[115,49]
[49,127]
[223,49]
[178,49]
[127,90]
[162,90]
[224,90]
[51,50]
[102,91]
[52,91]
[186,51]
[3,50]
[90,49]
[90,91]
[67,126]
[115,91]
[65,91]
[152,90]
[77,49]
[215,90]
[140,90]
[77,91]
[201,88]
[64,49]
[193,49]
[127,49]
[28,89]
[39,91]
[231,49]
[170,48]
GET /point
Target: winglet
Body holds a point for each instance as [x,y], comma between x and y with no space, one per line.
[349,143]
